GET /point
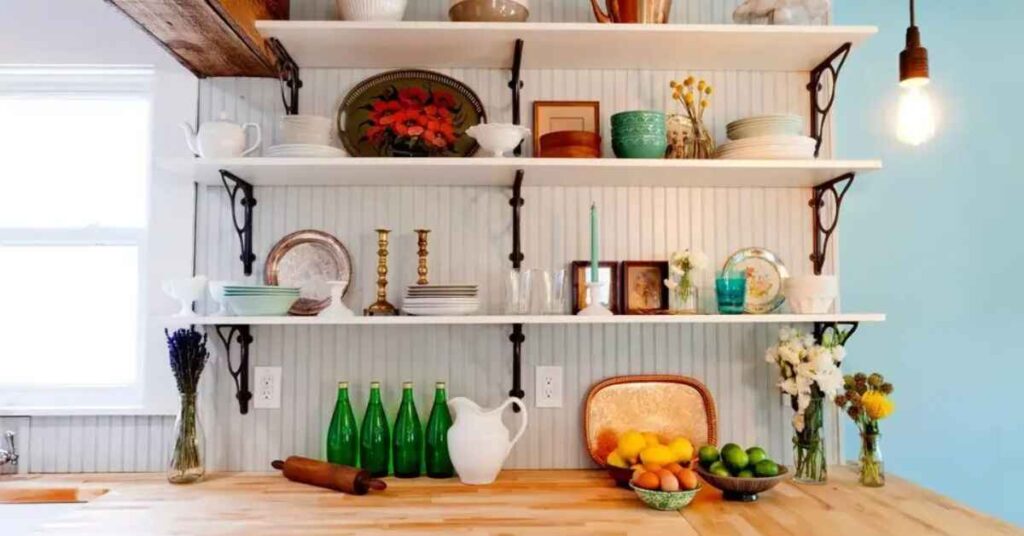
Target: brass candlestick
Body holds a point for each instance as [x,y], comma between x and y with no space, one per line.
[382,307]
[421,270]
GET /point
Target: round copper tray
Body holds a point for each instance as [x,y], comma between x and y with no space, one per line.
[306,259]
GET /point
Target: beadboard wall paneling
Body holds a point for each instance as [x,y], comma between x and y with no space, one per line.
[470,242]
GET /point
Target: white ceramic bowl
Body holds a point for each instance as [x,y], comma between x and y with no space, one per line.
[811,294]
[368,10]
[498,138]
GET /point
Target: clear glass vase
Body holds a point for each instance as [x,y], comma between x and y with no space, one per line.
[186,464]
[684,299]
[688,139]
[872,468]
[809,444]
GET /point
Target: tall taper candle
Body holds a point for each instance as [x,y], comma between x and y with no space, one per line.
[593,244]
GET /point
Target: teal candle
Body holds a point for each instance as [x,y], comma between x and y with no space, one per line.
[593,244]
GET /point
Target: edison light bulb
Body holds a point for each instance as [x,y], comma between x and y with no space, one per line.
[915,122]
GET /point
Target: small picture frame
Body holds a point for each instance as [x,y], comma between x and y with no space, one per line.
[643,287]
[608,273]
[556,116]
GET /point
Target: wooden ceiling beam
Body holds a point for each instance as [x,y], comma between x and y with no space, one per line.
[209,37]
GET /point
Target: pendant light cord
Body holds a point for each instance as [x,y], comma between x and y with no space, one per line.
[913,18]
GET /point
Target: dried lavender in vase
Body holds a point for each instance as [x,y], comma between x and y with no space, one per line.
[188,356]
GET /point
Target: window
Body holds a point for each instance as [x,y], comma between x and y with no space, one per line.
[74,170]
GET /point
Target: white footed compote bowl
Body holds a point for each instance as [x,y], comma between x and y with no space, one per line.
[498,138]
[186,291]
[594,307]
[216,289]
[337,308]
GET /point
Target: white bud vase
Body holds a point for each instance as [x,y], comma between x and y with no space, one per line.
[337,308]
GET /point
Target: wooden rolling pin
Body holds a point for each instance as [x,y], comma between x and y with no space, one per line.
[328,475]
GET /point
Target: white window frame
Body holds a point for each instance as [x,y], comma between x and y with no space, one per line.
[170,205]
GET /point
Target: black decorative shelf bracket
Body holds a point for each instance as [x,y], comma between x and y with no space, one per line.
[288,73]
[248,201]
[820,110]
[822,329]
[516,85]
[836,189]
[240,374]
[517,338]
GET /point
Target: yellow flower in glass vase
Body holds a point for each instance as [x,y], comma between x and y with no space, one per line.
[877,405]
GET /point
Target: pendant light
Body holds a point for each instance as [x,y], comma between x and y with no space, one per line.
[916,116]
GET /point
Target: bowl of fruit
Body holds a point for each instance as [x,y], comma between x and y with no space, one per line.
[670,487]
[740,474]
[633,450]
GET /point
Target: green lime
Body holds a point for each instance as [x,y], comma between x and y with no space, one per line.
[718,469]
[766,468]
[708,455]
[746,473]
[735,458]
[756,454]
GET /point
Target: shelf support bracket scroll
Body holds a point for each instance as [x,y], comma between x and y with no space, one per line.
[823,230]
[240,374]
[288,74]
[840,330]
[247,202]
[517,338]
[827,70]
[516,85]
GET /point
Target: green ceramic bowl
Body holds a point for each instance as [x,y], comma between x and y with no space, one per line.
[638,130]
[666,500]
[653,146]
[638,117]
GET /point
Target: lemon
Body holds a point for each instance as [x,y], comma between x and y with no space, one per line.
[658,454]
[616,461]
[630,445]
[682,449]
[651,438]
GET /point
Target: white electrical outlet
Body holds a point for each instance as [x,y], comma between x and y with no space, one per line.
[549,387]
[267,388]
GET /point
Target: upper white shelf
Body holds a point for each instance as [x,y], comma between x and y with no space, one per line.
[561,45]
[501,171]
[532,319]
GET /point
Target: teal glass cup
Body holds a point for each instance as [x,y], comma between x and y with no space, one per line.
[731,291]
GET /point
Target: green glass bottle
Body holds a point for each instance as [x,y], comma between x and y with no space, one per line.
[342,436]
[439,464]
[375,442]
[408,441]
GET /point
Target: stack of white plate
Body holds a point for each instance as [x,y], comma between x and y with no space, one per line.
[303,150]
[765,125]
[767,137]
[304,136]
[440,300]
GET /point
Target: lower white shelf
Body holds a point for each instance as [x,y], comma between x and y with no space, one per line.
[513,319]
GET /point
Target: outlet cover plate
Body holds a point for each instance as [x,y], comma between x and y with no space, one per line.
[267,387]
[549,387]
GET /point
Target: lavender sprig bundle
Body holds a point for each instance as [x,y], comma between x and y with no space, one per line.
[187,348]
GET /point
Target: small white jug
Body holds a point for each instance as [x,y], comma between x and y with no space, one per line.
[478,441]
[220,139]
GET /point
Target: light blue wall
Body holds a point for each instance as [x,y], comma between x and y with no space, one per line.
[934,241]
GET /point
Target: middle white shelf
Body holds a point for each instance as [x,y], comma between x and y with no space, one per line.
[501,171]
[523,319]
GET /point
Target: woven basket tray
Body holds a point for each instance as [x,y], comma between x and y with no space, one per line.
[668,405]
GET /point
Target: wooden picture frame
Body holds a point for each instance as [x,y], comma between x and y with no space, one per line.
[609,273]
[643,287]
[554,116]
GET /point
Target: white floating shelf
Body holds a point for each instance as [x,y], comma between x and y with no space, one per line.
[561,45]
[533,320]
[501,171]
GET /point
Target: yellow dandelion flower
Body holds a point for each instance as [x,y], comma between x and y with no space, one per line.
[688,98]
[705,103]
[672,84]
[877,405]
[701,85]
[707,90]
[688,82]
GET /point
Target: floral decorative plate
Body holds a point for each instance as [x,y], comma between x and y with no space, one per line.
[308,259]
[765,274]
[409,113]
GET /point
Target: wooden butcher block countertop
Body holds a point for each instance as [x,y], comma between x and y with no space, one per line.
[521,502]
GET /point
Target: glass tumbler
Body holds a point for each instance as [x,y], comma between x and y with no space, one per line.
[731,291]
[518,290]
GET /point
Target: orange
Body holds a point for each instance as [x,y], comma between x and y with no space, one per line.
[648,480]
[674,467]
[687,478]
[652,467]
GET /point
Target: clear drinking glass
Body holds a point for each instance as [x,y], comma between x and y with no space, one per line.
[731,291]
[556,292]
[517,295]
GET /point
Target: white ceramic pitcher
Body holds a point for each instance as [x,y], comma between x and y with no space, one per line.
[478,441]
[221,139]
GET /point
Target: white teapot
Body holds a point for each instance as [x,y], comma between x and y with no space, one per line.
[220,139]
[478,441]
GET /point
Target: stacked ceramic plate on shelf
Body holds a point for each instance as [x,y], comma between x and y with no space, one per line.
[304,136]
[259,300]
[440,300]
[767,137]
